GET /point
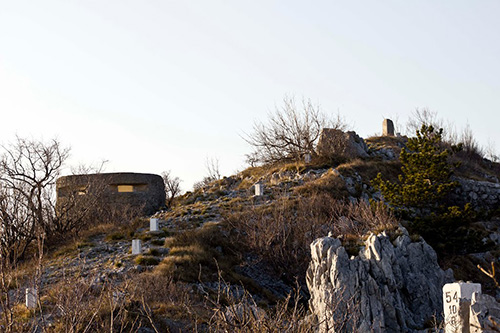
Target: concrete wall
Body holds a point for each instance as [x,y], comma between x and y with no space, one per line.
[127,189]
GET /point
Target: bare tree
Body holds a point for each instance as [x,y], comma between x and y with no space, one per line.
[421,117]
[78,206]
[28,170]
[17,230]
[490,151]
[213,169]
[428,117]
[213,173]
[290,132]
[172,187]
[463,139]
[469,143]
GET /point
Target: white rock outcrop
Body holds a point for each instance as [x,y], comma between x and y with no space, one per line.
[390,286]
[484,314]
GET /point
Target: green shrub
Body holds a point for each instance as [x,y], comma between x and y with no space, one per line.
[422,195]
[425,179]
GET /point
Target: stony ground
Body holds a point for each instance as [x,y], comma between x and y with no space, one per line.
[106,257]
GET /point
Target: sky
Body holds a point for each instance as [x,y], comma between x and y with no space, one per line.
[151,86]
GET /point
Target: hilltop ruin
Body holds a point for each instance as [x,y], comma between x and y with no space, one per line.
[136,190]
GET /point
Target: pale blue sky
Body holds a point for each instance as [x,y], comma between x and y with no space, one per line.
[162,85]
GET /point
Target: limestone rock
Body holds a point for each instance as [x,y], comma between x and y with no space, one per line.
[387,287]
[336,142]
[484,313]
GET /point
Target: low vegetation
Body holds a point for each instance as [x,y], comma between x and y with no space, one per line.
[226,260]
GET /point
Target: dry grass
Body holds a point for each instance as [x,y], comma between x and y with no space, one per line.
[238,312]
[476,169]
[281,233]
[194,254]
[329,183]
[368,169]
[392,142]
[251,175]
[76,304]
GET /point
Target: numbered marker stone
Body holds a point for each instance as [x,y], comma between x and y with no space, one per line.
[136,246]
[31,295]
[153,224]
[456,302]
[259,189]
[307,158]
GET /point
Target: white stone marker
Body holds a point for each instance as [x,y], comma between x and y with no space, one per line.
[259,189]
[307,158]
[456,302]
[31,296]
[136,246]
[153,224]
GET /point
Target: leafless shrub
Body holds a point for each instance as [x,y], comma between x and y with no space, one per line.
[78,208]
[238,312]
[158,289]
[79,304]
[213,168]
[11,311]
[7,298]
[17,229]
[290,132]
[172,187]
[213,173]
[28,170]
[282,232]
[421,117]
[491,152]
[358,218]
[465,138]
[75,305]
[470,148]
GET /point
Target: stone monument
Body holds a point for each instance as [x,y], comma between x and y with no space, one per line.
[387,128]
[153,224]
[31,298]
[136,246]
[259,189]
[456,302]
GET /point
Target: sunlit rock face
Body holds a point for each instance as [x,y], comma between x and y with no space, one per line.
[392,285]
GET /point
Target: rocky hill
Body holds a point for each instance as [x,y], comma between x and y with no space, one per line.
[226,259]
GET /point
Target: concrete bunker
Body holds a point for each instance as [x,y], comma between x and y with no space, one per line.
[126,189]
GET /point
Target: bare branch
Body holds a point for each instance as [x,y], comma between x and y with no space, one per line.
[172,187]
[290,133]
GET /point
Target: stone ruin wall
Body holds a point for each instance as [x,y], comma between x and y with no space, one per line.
[481,194]
[134,190]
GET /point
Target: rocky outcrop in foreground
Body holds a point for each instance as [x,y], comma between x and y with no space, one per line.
[484,314]
[390,286]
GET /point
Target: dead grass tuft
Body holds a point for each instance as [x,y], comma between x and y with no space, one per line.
[194,253]
[329,183]
[368,169]
[281,233]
